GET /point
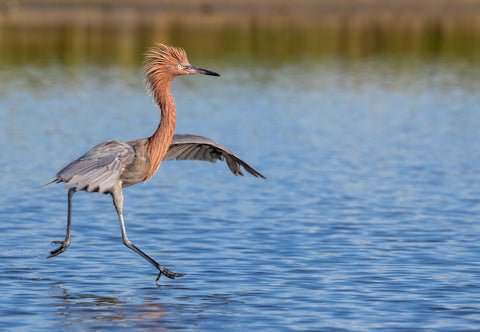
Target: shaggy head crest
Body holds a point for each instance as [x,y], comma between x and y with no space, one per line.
[161,63]
[165,55]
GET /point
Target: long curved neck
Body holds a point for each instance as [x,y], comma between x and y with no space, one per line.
[159,142]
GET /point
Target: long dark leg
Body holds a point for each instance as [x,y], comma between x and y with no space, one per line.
[117,196]
[65,243]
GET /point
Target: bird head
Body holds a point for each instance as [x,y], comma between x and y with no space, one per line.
[170,61]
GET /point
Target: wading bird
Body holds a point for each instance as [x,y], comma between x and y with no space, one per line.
[112,165]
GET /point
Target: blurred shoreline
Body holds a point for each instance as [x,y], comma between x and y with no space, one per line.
[120,31]
[358,14]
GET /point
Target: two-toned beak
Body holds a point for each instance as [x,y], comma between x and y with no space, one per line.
[194,70]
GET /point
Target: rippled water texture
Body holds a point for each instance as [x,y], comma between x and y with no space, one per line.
[368,219]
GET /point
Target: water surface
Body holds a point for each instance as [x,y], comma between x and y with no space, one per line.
[368,219]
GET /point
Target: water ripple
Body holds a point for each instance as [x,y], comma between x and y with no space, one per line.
[367,220]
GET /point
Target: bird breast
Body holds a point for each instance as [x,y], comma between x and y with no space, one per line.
[136,171]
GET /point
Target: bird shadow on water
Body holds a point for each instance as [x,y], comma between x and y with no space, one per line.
[106,309]
[165,306]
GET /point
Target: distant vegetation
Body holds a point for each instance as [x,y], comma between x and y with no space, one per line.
[75,31]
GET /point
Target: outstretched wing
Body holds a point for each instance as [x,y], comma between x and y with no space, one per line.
[191,147]
[99,168]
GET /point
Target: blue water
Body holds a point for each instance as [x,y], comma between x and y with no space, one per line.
[368,219]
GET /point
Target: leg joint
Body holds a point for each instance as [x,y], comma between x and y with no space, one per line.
[127,242]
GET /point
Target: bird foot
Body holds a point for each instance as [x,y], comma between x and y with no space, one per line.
[60,249]
[167,273]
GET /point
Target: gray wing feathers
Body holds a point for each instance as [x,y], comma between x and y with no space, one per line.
[191,147]
[99,168]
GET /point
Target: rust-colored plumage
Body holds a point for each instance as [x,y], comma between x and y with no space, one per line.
[160,66]
[160,69]
[113,165]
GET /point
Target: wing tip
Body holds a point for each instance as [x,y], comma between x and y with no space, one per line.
[261,175]
[57,180]
[253,171]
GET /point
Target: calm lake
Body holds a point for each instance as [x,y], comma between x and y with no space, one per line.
[368,219]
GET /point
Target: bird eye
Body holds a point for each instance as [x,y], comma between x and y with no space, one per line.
[179,66]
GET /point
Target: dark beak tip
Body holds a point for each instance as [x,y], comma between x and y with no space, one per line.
[210,73]
[203,71]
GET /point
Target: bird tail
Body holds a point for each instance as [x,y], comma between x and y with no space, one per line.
[46,184]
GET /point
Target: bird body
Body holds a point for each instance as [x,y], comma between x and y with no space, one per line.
[129,163]
[110,166]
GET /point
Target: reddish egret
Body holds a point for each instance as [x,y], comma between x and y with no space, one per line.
[112,165]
